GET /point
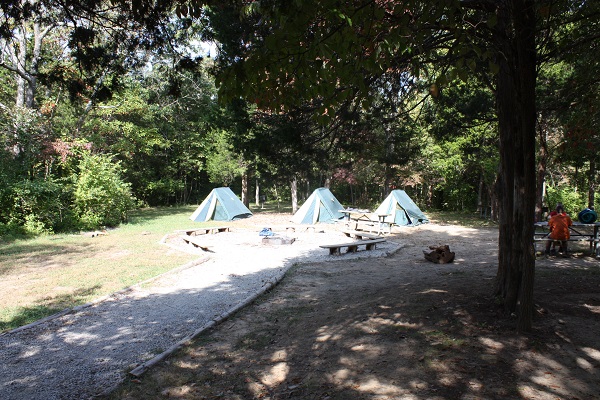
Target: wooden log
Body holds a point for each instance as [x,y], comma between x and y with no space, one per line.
[439,254]
[195,242]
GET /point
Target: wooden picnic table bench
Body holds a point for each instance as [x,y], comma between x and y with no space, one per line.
[335,249]
[204,231]
[579,232]
[191,240]
[375,221]
[360,235]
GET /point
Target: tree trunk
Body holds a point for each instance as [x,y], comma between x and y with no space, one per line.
[257,195]
[480,205]
[277,196]
[541,172]
[516,121]
[494,206]
[245,198]
[294,190]
[592,183]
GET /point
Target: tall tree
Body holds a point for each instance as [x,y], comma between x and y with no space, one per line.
[329,51]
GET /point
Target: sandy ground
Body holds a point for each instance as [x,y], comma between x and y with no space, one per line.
[397,327]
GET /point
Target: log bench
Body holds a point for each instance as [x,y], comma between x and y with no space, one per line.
[360,235]
[190,240]
[335,249]
[204,231]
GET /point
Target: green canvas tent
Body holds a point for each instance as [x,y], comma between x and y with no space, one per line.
[321,206]
[402,210]
[221,205]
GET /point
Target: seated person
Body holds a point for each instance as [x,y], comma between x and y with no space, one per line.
[559,229]
[553,212]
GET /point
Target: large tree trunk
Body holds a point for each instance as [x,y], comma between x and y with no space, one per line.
[516,120]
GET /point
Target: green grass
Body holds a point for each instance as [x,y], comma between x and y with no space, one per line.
[43,275]
[462,218]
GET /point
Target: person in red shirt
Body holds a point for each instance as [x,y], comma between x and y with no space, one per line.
[559,229]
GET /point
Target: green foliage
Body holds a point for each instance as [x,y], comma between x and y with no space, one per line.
[461,151]
[102,198]
[222,163]
[159,138]
[572,201]
[40,206]
[24,132]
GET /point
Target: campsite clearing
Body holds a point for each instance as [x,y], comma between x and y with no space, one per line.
[397,327]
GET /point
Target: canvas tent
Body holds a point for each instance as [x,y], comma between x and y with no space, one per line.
[221,205]
[321,206]
[402,210]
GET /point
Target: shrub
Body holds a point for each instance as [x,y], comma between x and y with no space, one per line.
[572,201]
[40,206]
[102,198]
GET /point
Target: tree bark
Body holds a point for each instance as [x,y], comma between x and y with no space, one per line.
[516,120]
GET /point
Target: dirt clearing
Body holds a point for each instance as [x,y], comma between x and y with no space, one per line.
[398,327]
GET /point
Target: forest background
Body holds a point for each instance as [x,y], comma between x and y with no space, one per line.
[466,104]
[95,122]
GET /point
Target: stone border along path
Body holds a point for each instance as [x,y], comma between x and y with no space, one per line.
[87,351]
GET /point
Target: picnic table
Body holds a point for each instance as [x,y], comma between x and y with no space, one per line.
[365,216]
[579,232]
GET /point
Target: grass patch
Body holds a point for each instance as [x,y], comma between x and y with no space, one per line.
[443,339]
[15,317]
[43,275]
[462,218]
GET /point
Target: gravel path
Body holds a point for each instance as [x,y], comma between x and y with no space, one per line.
[87,352]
